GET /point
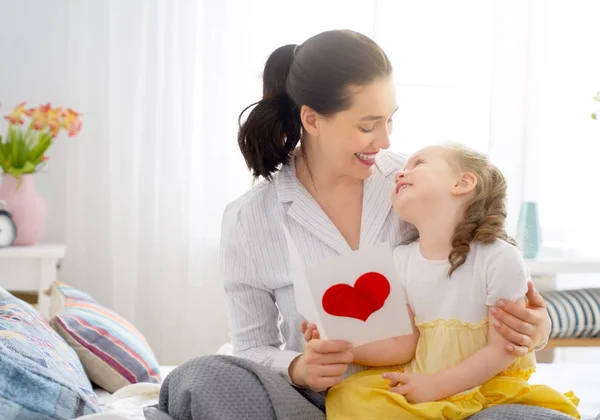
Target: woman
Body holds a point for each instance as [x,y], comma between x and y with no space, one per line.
[319,137]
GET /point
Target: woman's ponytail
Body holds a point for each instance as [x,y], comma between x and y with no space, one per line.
[273,128]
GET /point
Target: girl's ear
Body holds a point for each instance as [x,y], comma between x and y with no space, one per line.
[467,181]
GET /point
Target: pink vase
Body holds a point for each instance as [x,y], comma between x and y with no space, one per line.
[27,206]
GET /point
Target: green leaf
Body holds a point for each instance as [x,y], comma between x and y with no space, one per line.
[44,142]
[594,116]
[3,157]
[29,168]
[23,151]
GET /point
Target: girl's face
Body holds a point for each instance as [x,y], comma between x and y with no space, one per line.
[427,182]
[349,141]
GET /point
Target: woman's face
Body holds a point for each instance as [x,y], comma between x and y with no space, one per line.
[350,140]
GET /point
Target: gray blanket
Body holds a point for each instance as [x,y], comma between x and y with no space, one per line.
[226,388]
[229,388]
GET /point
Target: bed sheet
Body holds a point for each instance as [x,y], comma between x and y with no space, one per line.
[582,379]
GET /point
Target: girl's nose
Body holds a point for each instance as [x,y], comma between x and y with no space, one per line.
[399,176]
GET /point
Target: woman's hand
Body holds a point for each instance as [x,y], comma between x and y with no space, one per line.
[524,326]
[322,365]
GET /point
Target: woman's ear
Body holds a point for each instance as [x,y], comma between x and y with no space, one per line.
[309,119]
[467,181]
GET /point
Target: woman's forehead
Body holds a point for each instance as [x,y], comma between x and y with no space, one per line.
[377,99]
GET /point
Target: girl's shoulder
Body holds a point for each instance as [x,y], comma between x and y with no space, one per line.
[498,249]
[402,252]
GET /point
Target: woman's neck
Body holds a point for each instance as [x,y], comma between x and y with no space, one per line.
[318,176]
[436,232]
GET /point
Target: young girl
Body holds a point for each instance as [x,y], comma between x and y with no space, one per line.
[462,263]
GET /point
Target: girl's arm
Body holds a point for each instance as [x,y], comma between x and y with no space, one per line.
[392,351]
[479,368]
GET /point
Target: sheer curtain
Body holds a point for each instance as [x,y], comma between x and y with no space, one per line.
[156,163]
[161,84]
[563,143]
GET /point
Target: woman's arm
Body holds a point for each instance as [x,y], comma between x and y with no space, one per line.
[392,351]
[253,315]
[479,368]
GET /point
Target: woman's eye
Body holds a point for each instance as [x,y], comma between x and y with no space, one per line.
[365,130]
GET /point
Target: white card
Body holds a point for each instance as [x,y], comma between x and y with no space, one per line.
[359,311]
[305,304]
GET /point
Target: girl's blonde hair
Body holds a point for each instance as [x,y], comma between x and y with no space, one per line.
[485,218]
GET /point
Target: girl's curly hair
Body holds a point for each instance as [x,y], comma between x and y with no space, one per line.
[485,218]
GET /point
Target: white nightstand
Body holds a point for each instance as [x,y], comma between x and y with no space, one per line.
[544,272]
[31,269]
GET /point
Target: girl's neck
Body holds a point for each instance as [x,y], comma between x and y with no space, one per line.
[436,232]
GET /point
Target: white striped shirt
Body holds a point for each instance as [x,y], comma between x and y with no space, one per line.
[264,323]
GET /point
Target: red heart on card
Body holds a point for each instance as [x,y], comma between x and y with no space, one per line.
[366,297]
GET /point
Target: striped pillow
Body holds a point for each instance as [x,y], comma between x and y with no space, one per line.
[574,313]
[113,352]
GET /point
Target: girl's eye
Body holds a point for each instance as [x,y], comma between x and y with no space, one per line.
[418,162]
[366,130]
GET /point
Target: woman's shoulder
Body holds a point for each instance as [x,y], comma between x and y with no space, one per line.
[390,162]
[259,198]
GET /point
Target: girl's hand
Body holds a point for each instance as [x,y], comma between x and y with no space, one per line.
[323,363]
[310,331]
[524,326]
[415,387]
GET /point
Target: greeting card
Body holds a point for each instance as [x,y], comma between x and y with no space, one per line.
[355,297]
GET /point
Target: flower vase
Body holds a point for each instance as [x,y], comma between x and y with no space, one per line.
[27,206]
[529,238]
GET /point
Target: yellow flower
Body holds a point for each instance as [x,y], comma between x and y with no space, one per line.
[40,117]
[54,116]
[16,116]
[71,122]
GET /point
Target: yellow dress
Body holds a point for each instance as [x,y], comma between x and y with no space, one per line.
[444,343]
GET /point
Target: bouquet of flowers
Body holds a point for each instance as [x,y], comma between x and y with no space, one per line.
[30,134]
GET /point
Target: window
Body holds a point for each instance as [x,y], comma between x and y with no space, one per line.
[562,141]
[441,52]
[509,77]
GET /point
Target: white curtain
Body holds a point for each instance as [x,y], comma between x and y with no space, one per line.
[161,84]
[562,144]
[155,164]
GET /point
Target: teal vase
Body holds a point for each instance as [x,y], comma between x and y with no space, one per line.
[529,239]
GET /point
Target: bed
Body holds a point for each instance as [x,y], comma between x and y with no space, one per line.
[584,380]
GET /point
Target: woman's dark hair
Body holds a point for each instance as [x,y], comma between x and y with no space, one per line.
[316,73]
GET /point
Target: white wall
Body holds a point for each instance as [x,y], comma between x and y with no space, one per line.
[34,69]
